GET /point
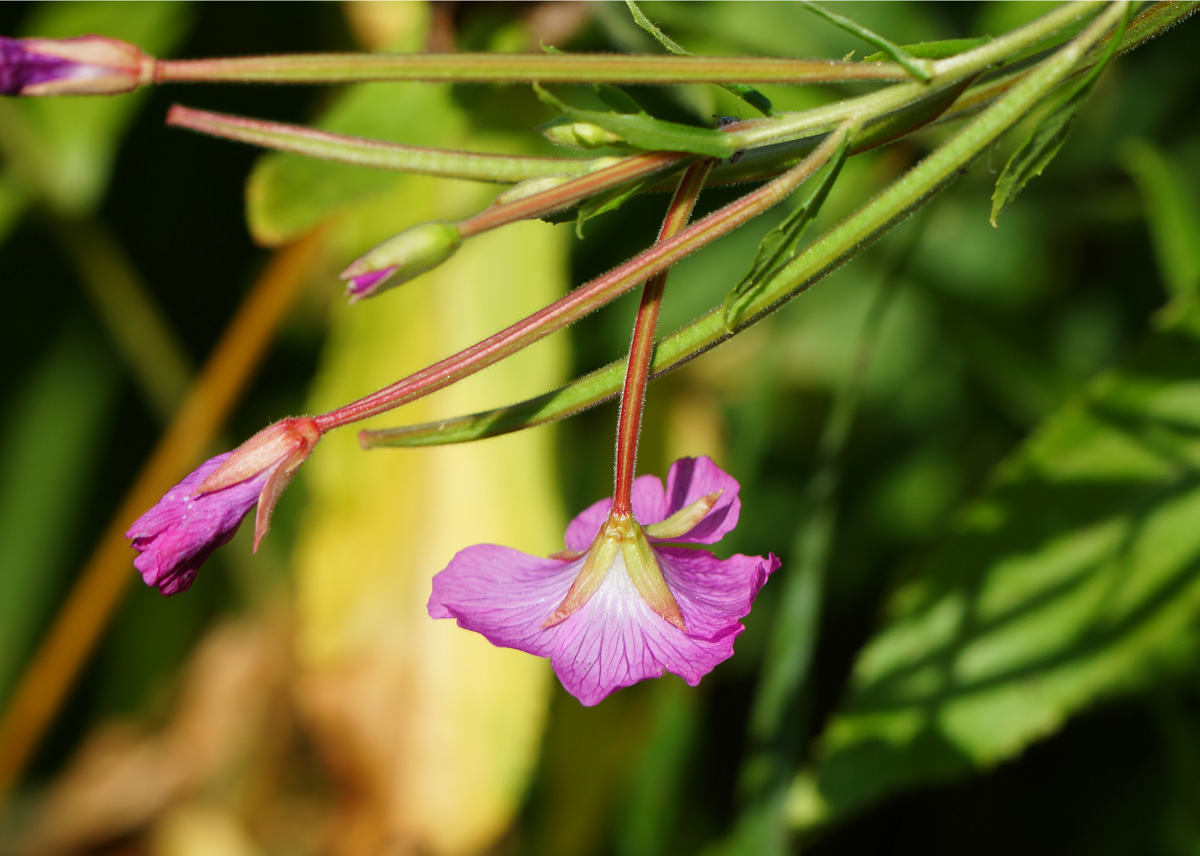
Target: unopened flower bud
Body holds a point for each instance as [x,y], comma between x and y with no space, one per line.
[580,135]
[401,258]
[86,65]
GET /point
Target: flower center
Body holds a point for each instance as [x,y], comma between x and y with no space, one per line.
[620,537]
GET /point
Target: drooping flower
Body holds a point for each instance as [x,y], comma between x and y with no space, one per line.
[86,65]
[204,511]
[618,606]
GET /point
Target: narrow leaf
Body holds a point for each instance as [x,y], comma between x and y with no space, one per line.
[1051,132]
[782,243]
[748,94]
[646,132]
[917,67]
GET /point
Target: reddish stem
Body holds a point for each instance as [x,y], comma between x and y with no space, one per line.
[581,301]
[570,192]
[637,373]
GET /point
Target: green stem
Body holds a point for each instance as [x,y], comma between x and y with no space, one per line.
[520,68]
[821,257]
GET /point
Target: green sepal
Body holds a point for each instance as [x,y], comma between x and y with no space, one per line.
[642,565]
[599,562]
[685,519]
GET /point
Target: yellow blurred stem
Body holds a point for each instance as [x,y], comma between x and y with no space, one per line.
[100,585]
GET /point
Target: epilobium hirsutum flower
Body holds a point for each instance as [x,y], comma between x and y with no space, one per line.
[618,606]
[202,512]
[87,65]
[401,258]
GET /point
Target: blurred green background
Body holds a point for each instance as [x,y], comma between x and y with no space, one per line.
[986,637]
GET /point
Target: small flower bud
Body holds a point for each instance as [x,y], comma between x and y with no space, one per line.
[86,65]
[580,135]
[401,258]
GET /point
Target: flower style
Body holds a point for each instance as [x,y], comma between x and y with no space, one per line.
[203,512]
[87,65]
[617,606]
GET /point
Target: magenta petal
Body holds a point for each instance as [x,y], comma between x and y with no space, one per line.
[714,594]
[20,67]
[688,480]
[615,639]
[582,530]
[365,284]
[504,594]
[180,532]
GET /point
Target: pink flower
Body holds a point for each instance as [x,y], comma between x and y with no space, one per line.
[617,606]
[203,512]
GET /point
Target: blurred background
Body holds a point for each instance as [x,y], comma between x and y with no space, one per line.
[986,630]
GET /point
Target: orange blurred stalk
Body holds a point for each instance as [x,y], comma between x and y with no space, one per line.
[98,589]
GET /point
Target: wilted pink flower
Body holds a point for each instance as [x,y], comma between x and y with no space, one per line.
[618,606]
[87,65]
[202,512]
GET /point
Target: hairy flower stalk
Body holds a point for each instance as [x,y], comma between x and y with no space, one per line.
[617,607]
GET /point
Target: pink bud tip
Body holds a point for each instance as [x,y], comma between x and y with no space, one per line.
[365,283]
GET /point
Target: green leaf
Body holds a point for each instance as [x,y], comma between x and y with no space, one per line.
[782,243]
[914,65]
[1171,214]
[748,94]
[646,132]
[1076,576]
[1051,132]
[934,50]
